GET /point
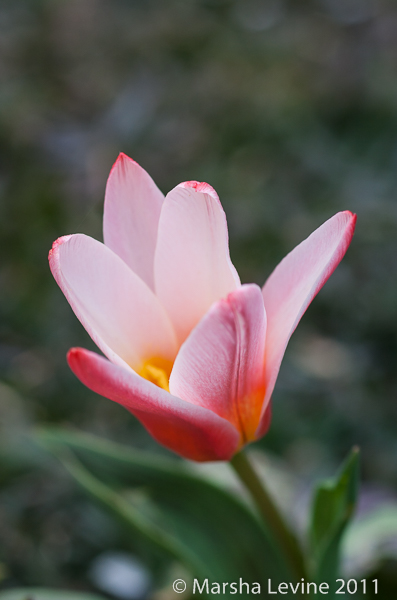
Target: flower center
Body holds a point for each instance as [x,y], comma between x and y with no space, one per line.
[158,371]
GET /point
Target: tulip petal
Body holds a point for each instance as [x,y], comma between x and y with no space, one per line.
[131,216]
[192,265]
[220,366]
[294,283]
[118,310]
[191,431]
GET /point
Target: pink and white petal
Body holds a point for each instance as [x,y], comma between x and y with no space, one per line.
[131,216]
[221,364]
[191,431]
[192,266]
[294,283]
[118,310]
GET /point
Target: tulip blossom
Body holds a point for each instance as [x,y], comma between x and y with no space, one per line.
[190,351]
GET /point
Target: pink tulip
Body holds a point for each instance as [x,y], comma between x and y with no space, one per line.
[191,352]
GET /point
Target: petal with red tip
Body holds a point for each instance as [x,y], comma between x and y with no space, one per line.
[192,265]
[118,310]
[131,215]
[220,366]
[189,430]
[294,283]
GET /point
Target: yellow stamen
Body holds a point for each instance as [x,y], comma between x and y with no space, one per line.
[158,371]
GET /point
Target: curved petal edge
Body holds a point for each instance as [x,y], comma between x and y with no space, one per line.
[118,310]
[191,431]
[293,284]
[220,365]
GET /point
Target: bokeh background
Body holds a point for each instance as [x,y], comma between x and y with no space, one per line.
[289,109]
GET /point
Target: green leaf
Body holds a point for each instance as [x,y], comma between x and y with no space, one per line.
[45,594]
[210,531]
[333,507]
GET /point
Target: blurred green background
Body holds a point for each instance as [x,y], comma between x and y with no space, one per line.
[289,110]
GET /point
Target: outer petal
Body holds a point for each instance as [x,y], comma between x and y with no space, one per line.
[192,264]
[131,216]
[189,430]
[294,283]
[119,311]
[220,366]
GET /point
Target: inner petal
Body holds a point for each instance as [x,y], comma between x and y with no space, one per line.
[192,265]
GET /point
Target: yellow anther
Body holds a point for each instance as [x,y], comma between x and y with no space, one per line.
[157,370]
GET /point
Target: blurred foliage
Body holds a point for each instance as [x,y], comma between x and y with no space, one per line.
[174,508]
[45,594]
[289,109]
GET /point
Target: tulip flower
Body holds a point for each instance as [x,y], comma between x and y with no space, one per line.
[191,352]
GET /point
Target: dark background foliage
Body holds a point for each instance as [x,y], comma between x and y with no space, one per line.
[289,109]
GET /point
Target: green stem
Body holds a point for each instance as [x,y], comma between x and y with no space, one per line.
[284,536]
